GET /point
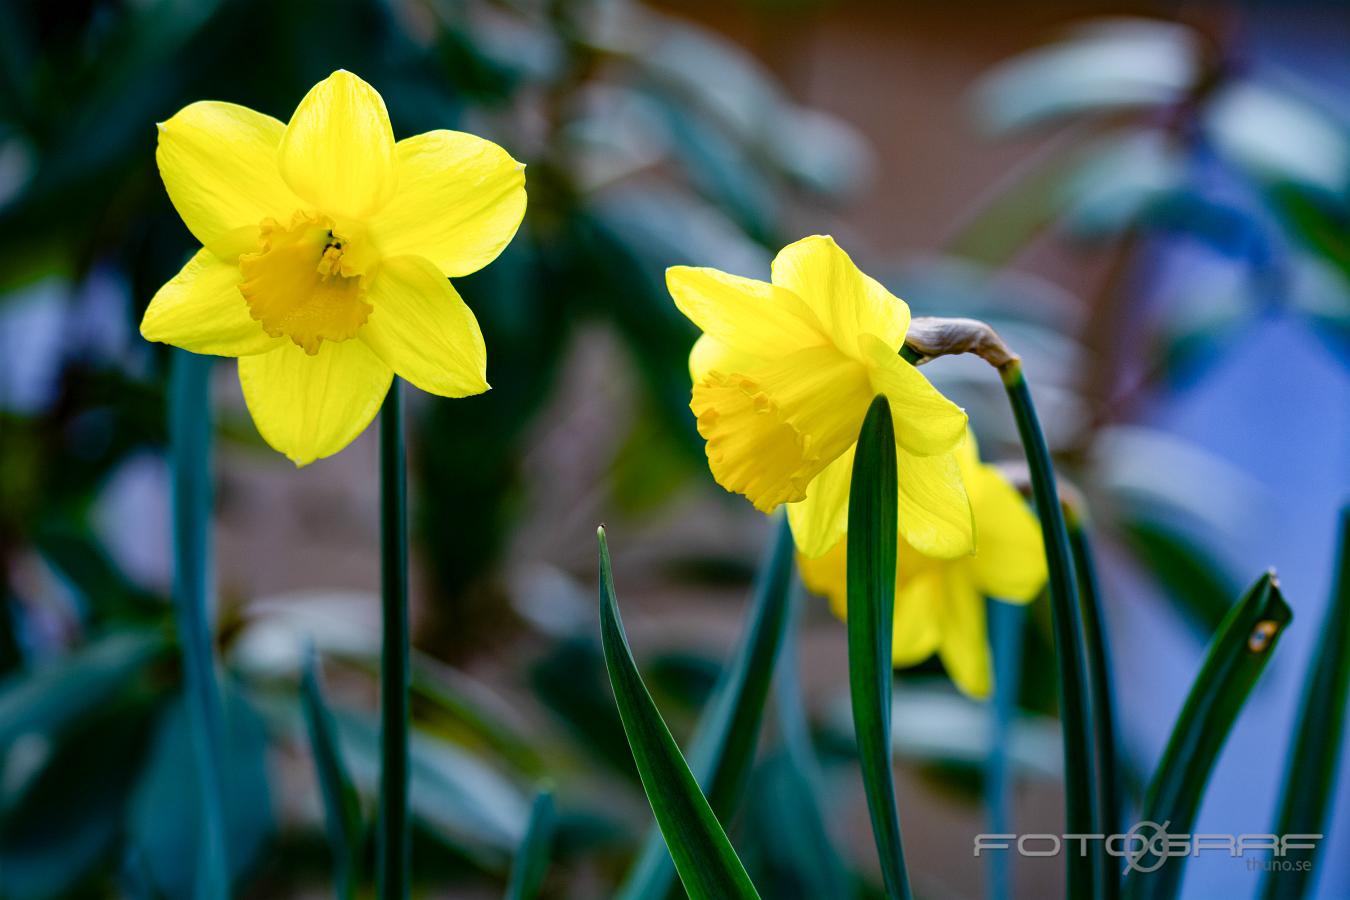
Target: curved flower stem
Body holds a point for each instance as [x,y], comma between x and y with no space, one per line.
[395,670]
[190,463]
[1081,811]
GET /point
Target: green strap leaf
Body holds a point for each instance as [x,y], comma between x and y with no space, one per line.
[341,805]
[1237,656]
[531,862]
[1311,780]
[1087,876]
[872,542]
[704,858]
[724,744]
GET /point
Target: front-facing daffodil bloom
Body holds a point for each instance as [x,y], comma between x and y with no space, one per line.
[783,376]
[939,603]
[325,252]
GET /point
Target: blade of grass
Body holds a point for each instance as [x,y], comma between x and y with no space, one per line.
[1086,876]
[1237,656]
[704,858]
[728,732]
[190,463]
[1310,782]
[1101,694]
[341,807]
[395,669]
[872,542]
[531,862]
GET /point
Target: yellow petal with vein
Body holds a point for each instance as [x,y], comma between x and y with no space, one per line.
[309,407]
[338,149]
[459,201]
[200,309]
[422,329]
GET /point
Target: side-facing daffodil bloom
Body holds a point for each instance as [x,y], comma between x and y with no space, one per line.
[325,252]
[939,603]
[783,375]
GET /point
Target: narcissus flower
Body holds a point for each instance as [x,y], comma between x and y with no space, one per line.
[939,603]
[783,376]
[326,248]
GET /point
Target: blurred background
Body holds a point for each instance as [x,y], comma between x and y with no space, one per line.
[1150,201]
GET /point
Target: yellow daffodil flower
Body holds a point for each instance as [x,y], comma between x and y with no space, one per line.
[326,248]
[939,603]
[783,375]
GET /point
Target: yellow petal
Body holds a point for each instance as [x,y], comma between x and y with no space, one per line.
[819,521]
[935,514]
[422,329]
[1009,560]
[925,421]
[827,576]
[965,639]
[917,627]
[459,201]
[847,302]
[918,596]
[219,165]
[338,149]
[772,430]
[200,309]
[748,316]
[309,407]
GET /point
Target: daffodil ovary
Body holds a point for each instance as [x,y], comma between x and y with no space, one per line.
[306,281]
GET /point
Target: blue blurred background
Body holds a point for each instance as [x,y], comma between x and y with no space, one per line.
[1150,201]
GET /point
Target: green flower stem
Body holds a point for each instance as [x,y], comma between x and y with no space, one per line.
[1007,622]
[395,668]
[1082,814]
[1102,698]
[190,462]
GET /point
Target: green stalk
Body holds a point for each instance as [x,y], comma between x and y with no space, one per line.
[1082,813]
[1006,624]
[395,668]
[872,543]
[190,462]
[1099,684]
[1310,782]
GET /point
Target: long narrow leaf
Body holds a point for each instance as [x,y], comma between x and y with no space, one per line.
[341,807]
[704,858]
[724,743]
[872,542]
[1237,656]
[531,862]
[812,850]
[190,459]
[1087,876]
[1311,780]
